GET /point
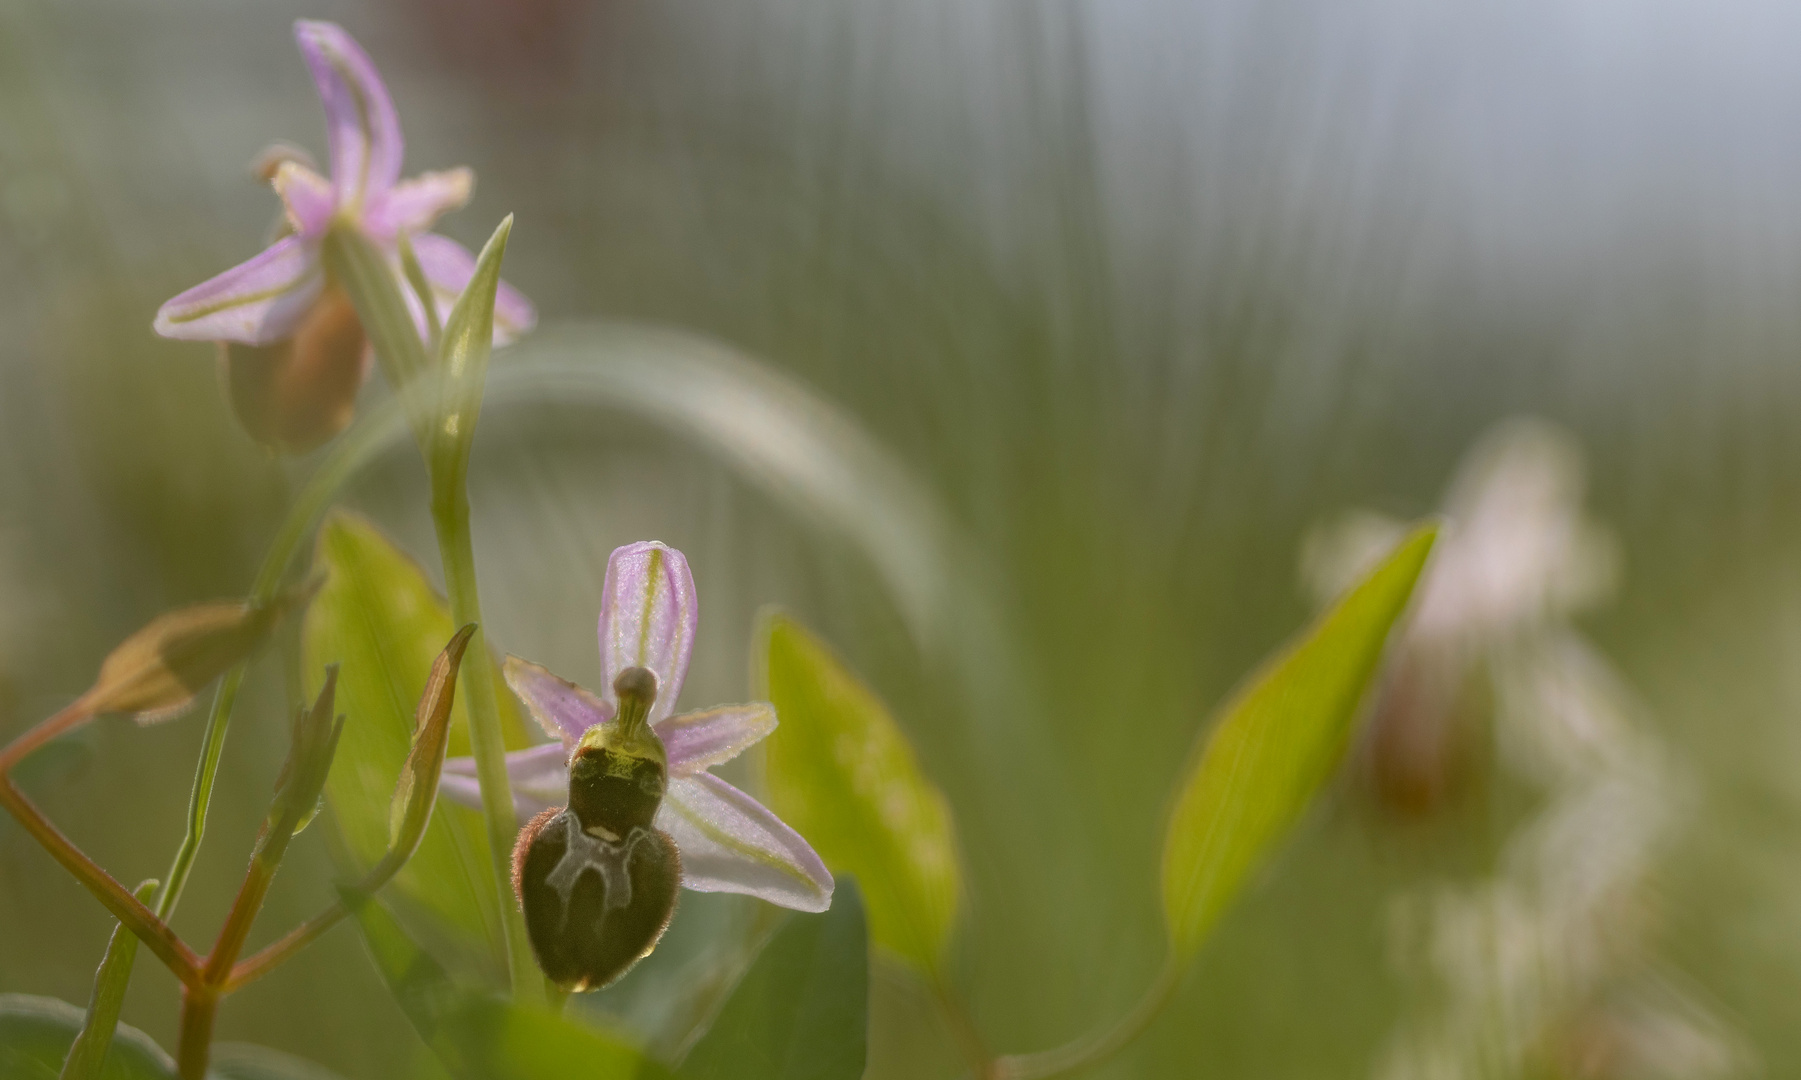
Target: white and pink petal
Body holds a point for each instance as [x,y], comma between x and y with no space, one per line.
[258,302]
[412,206]
[563,709]
[539,777]
[697,741]
[648,613]
[360,122]
[729,842]
[308,197]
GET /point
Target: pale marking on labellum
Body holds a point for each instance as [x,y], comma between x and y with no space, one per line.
[582,852]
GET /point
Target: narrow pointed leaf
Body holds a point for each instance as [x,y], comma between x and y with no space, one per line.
[466,344]
[802,1010]
[841,773]
[1274,744]
[417,790]
[35,1034]
[88,1053]
[302,777]
[379,619]
[481,1036]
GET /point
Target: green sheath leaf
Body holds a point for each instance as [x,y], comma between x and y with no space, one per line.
[802,1011]
[379,619]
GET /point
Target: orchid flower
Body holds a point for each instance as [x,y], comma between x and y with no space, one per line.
[728,841]
[295,351]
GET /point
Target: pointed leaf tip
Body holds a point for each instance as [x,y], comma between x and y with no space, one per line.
[417,790]
[1275,744]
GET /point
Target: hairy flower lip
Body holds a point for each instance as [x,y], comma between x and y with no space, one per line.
[729,842]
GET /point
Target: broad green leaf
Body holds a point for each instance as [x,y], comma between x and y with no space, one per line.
[246,1061]
[482,1036]
[378,618]
[35,1033]
[87,1056]
[1274,745]
[841,772]
[802,1010]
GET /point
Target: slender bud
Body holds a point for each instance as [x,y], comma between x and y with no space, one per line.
[156,672]
[302,777]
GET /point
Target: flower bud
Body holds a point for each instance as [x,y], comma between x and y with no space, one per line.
[156,672]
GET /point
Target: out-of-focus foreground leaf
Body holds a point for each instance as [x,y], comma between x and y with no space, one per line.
[481,1036]
[1274,744]
[802,1010]
[245,1061]
[35,1033]
[378,618]
[843,775]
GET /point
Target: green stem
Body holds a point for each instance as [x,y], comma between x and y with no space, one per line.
[450,513]
[349,455]
[1097,1046]
[88,1052]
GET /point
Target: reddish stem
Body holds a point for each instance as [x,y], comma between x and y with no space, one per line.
[128,909]
[199,1005]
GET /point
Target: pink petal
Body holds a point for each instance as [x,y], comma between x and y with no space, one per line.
[308,197]
[258,302]
[563,709]
[448,265]
[539,778]
[698,741]
[413,205]
[647,618]
[730,842]
[360,123]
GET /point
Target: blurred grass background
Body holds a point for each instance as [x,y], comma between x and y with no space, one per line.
[1144,290]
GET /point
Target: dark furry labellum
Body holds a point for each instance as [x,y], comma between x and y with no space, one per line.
[597,881]
[593,907]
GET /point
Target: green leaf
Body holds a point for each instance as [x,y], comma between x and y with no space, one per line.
[464,349]
[88,1054]
[1275,744]
[246,1061]
[35,1033]
[841,772]
[802,1010]
[378,618]
[479,1035]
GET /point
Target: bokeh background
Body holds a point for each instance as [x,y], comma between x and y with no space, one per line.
[1144,291]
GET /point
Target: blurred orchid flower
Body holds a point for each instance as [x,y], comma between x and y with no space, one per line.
[294,351]
[1517,557]
[728,841]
